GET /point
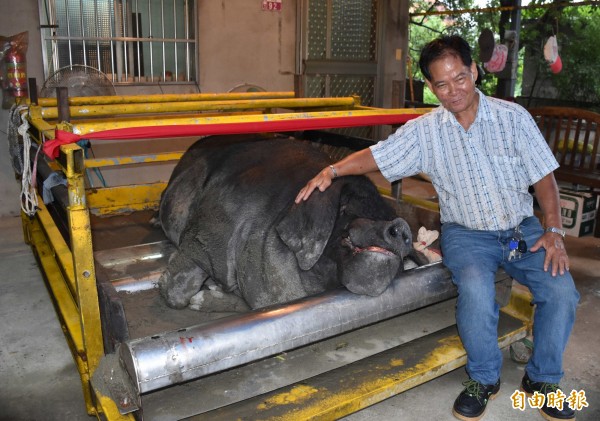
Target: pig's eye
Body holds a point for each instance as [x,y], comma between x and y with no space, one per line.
[393,231]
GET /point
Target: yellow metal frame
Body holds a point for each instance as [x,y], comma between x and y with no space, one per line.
[69,270]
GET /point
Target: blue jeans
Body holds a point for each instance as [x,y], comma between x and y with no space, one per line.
[473,257]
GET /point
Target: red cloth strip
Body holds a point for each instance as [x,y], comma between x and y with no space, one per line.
[51,147]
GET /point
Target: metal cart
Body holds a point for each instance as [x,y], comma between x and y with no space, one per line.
[320,358]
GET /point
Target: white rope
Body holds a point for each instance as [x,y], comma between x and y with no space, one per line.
[29,202]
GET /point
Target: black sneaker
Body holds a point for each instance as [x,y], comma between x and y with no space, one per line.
[470,404]
[548,412]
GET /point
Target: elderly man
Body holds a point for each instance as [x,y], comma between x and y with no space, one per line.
[482,155]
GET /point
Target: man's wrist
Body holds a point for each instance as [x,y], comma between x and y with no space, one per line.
[556,230]
[334,171]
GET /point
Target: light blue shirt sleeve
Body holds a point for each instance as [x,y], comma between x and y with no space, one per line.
[400,155]
[482,175]
[538,159]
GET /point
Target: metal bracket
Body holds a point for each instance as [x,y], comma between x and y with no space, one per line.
[110,379]
[397,190]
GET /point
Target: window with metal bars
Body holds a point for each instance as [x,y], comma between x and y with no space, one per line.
[131,41]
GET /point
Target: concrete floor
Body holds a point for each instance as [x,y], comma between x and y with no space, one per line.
[39,381]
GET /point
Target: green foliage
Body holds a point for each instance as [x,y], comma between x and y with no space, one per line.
[577,30]
[578,34]
[468,25]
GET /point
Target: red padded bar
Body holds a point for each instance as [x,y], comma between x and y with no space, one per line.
[51,147]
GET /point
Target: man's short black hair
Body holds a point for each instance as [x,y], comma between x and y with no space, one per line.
[445,45]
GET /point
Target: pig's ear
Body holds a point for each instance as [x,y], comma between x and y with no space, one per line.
[308,225]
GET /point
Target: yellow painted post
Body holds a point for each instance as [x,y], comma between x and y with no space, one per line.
[71,158]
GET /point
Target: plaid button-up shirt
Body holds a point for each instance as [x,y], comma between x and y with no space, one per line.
[482,175]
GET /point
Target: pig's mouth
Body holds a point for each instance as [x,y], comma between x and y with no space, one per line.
[367,270]
[346,242]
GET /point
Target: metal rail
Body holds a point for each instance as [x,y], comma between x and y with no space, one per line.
[161,98]
[163,360]
[190,106]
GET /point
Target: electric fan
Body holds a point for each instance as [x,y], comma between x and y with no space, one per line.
[81,80]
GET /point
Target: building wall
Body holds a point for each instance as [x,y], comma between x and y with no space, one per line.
[242,44]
